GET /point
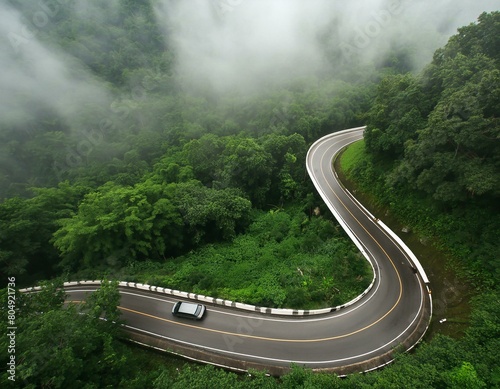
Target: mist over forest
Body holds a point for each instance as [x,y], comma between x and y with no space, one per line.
[225,45]
[71,75]
[243,45]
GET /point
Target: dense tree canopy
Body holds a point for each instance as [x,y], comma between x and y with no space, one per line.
[443,125]
[117,224]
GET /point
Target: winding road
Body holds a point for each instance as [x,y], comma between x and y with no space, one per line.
[363,336]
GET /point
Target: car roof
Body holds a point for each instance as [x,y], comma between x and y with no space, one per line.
[188,308]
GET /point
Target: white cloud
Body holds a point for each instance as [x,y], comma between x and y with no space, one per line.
[31,73]
[233,44]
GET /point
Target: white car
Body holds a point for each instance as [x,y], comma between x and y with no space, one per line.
[188,310]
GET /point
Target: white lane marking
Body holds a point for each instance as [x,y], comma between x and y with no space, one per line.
[356,202]
[371,219]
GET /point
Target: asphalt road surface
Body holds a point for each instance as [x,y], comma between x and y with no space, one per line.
[394,313]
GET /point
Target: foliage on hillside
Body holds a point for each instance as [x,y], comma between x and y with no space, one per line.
[442,126]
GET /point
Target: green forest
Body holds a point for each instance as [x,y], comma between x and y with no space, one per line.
[146,179]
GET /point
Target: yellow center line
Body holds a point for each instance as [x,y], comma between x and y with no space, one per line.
[246,335]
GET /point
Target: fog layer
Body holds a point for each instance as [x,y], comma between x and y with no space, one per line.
[35,75]
[237,44]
